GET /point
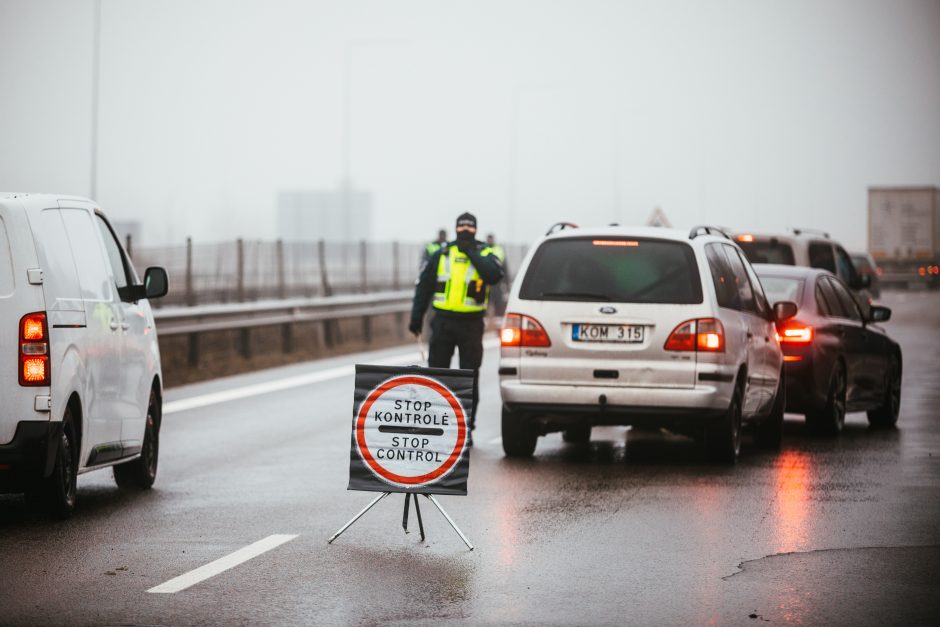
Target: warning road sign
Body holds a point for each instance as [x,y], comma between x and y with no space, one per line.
[410,429]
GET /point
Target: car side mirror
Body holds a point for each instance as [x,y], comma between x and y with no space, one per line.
[156,282]
[877,313]
[784,310]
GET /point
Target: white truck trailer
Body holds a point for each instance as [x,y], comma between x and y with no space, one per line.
[904,234]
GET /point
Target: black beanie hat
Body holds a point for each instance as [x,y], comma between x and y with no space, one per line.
[466,219]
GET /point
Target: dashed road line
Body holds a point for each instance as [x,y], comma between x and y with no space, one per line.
[222,564]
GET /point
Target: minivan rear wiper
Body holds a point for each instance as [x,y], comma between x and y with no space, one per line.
[575,296]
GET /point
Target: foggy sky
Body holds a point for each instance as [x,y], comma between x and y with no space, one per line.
[753,114]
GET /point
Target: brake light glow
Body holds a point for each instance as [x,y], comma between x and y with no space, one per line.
[34,350]
[33,327]
[520,330]
[795,332]
[792,358]
[615,242]
[745,238]
[704,335]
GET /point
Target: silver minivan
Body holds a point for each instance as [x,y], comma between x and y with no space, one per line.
[80,376]
[649,327]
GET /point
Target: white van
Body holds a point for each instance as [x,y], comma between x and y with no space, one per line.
[86,392]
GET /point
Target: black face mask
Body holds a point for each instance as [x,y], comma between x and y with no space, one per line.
[465,236]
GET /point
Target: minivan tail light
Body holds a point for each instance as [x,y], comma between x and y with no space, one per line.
[520,330]
[34,350]
[795,332]
[703,335]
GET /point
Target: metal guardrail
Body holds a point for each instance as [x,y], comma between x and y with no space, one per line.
[202,318]
[242,317]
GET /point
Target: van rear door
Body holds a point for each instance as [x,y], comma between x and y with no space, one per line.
[17,298]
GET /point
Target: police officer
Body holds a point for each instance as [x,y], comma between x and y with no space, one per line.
[456,281]
[433,247]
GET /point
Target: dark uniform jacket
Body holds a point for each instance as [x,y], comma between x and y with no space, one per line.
[488,267]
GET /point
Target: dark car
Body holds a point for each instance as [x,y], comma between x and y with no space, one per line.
[835,358]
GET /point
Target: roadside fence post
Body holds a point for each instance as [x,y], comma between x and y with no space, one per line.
[328,325]
[281,282]
[240,270]
[396,285]
[190,293]
[364,287]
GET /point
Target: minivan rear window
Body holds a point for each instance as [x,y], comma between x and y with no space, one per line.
[620,270]
[768,251]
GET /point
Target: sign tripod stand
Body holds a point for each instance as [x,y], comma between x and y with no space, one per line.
[404,520]
[410,434]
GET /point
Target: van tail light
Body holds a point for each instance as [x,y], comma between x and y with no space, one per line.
[795,332]
[704,335]
[34,350]
[519,330]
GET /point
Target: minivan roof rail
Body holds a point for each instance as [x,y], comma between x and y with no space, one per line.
[560,226]
[810,232]
[705,229]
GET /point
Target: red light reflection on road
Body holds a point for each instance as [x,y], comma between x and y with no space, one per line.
[793,475]
[509,521]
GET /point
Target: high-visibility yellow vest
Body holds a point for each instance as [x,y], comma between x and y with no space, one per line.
[499,252]
[432,248]
[459,286]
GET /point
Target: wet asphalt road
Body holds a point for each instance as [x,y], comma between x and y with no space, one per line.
[631,529]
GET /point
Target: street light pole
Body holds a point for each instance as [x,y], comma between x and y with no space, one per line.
[95,81]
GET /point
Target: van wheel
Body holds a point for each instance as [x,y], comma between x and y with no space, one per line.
[140,473]
[723,437]
[886,415]
[577,435]
[55,494]
[519,435]
[831,417]
[768,433]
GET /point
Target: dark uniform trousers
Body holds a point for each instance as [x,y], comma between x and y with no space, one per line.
[465,333]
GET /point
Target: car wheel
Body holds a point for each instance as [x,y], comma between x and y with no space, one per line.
[56,493]
[769,431]
[140,473]
[723,437]
[831,418]
[886,415]
[519,435]
[577,435]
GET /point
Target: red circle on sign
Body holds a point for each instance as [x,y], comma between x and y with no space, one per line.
[384,472]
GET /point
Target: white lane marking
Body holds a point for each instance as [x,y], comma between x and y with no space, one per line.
[222,564]
[299,380]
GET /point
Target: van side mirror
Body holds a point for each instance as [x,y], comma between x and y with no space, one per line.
[156,282]
[784,310]
[877,313]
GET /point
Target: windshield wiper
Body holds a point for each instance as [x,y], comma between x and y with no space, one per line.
[575,296]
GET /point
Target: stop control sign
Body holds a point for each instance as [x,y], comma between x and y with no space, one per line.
[410,430]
